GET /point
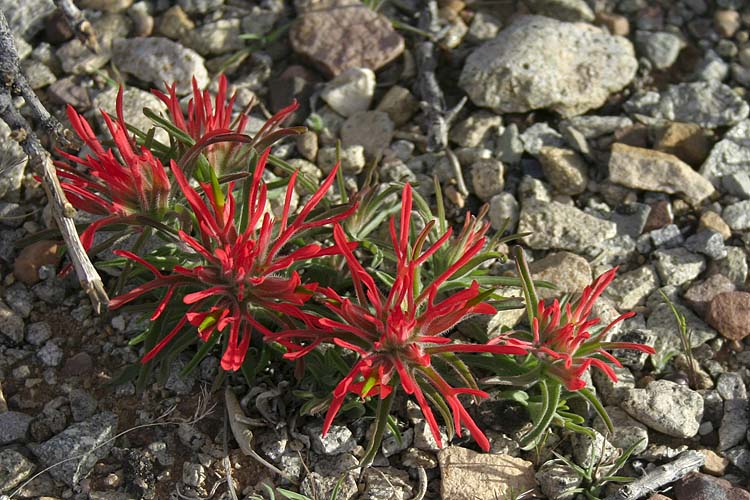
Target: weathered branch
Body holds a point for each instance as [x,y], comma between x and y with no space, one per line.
[13,82]
[661,476]
[81,26]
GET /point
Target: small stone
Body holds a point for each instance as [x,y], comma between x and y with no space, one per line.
[630,357]
[373,130]
[631,218]
[740,458]
[414,458]
[713,221]
[11,324]
[82,405]
[677,266]
[346,34]
[714,464]
[350,92]
[709,104]
[540,135]
[504,212]
[386,483]
[668,236]
[487,178]
[38,333]
[708,243]
[13,427]
[474,130]
[700,294]
[399,104]
[31,258]
[564,10]
[557,226]
[483,27]
[568,68]
[737,184]
[734,422]
[727,22]
[508,145]
[338,440]
[571,273]
[616,24]
[77,58]
[89,440]
[666,407]
[729,313]
[392,446]
[193,475]
[425,440]
[728,156]
[662,322]
[733,266]
[564,169]
[660,47]
[659,216]
[628,431]
[175,23]
[697,486]
[737,215]
[352,159]
[14,468]
[307,145]
[558,480]
[50,354]
[79,364]
[490,476]
[631,289]
[650,170]
[686,141]
[157,60]
[200,6]
[37,74]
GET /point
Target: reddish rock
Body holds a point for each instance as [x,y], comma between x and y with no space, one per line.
[700,294]
[346,34]
[77,365]
[660,215]
[31,258]
[697,486]
[729,313]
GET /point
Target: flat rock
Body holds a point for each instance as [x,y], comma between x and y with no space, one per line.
[709,104]
[564,169]
[13,426]
[687,141]
[158,60]
[346,34]
[697,486]
[350,92]
[571,273]
[468,475]
[632,288]
[88,439]
[558,226]
[730,155]
[666,407]
[650,170]
[542,63]
[14,468]
[677,266]
[373,130]
[729,313]
[26,20]
[737,215]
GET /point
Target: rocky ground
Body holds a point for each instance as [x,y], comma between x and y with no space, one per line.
[615,132]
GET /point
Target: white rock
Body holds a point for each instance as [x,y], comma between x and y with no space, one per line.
[351,91]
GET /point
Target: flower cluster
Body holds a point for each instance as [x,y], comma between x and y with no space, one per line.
[313,276]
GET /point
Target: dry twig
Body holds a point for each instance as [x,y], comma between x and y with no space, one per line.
[13,82]
[81,26]
[661,476]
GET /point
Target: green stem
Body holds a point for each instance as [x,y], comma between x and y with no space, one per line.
[381,423]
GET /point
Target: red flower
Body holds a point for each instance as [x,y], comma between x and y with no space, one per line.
[397,335]
[241,269]
[107,186]
[563,341]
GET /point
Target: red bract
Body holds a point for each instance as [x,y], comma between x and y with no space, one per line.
[397,335]
[107,186]
[563,341]
[240,274]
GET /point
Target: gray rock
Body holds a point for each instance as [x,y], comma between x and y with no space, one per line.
[50,354]
[557,226]
[564,169]
[317,485]
[14,467]
[709,104]
[539,62]
[737,215]
[668,236]
[701,293]
[595,126]
[541,135]
[28,19]
[352,159]
[483,27]
[399,104]
[176,382]
[631,218]
[677,266]
[734,423]
[650,170]
[386,483]
[14,161]
[628,431]
[504,208]
[730,155]
[37,74]
[158,60]
[82,404]
[487,178]
[134,100]
[630,357]
[78,59]
[11,324]
[661,321]
[508,145]
[90,439]
[589,452]
[737,184]
[193,475]
[392,446]
[712,68]
[631,289]
[425,440]
[338,440]
[558,480]
[475,129]
[707,242]
[564,10]
[216,38]
[200,6]
[38,333]
[740,458]
[13,427]
[666,407]
[350,92]
[733,266]
[373,130]
[661,47]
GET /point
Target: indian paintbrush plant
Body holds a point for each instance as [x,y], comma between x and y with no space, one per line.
[359,292]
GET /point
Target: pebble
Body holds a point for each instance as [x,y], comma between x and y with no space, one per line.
[715,464]
[651,170]
[557,480]
[11,324]
[352,159]
[730,155]
[565,170]
[425,440]
[660,47]
[13,427]
[734,423]
[399,104]
[700,293]
[662,322]
[504,212]
[14,468]
[487,178]
[78,59]
[50,354]
[631,289]
[88,438]
[631,218]
[82,405]
[737,215]
[615,23]
[386,483]
[668,236]
[350,92]
[666,407]
[712,221]
[157,60]
[568,68]
[677,266]
[174,23]
[707,242]
[34,256]
[571,273]
[660,215]
[737,184]
[557,226]
[26,21]
[346,34]
[727,22]
[697,486]
[733,266]
[483,27]
[729,313]
[709,104]
[338,440]
[373,130]
[564,10]
[490,476]
[508,145]
[315,484]
[38,333]
[628,431]
[216,38]
[687,141]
